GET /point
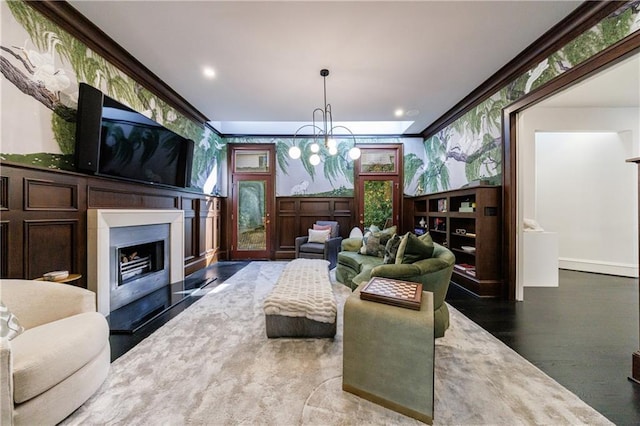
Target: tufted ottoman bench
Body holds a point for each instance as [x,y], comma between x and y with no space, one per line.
[302,303]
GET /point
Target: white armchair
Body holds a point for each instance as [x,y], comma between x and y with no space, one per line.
[59,360]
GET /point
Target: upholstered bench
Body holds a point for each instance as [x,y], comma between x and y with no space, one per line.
[388,354]
[302,303]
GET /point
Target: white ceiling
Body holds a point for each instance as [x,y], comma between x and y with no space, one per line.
[421,56]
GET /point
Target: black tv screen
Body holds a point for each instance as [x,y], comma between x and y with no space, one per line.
[114,140]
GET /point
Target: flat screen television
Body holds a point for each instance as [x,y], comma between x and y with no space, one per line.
[116,141]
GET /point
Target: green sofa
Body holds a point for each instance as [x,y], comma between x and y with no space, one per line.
[434,273]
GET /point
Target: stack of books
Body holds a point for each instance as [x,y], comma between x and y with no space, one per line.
[466,268]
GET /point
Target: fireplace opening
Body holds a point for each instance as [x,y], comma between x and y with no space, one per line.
[139,260]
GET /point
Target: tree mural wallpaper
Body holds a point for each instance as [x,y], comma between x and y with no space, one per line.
[42,66]
[471,148]
[48,65]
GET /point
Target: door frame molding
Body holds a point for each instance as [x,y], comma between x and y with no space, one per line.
[398,175]
[270,176]
[616,53]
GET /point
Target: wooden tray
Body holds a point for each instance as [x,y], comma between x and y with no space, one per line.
[403,294]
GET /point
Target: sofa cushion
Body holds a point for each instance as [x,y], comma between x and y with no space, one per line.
[42,359]
[335,226]
[317,248]
[412,249]
[317,227]
[371,246]
[374,242]
[391,249]
[356,261]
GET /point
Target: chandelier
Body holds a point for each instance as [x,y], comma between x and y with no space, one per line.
[323,132]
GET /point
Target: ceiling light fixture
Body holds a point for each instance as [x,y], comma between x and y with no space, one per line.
[209,72]
[323,130]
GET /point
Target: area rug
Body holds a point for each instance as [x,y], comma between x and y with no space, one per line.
[213,365]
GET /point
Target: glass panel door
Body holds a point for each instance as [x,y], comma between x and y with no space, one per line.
[378,185]
[378,202]
[251,229]
[252,179]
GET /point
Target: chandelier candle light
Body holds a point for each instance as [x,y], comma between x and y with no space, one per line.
[323,128]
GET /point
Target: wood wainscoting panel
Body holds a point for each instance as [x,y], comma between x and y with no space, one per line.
[50,195]
[4,193]
[44,218]
[114,198]
[190,206]
[50,245]
[4,248]
[295,215]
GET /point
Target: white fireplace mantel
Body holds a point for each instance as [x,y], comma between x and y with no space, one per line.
[99,223]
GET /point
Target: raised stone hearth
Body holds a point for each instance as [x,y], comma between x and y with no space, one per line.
[103,245]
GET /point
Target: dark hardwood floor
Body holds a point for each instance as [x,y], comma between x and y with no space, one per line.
[209,278]
[581,333]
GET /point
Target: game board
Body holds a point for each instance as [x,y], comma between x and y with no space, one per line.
[393,292]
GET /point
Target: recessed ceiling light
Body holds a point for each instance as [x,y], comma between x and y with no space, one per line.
[209,72]
[399,112]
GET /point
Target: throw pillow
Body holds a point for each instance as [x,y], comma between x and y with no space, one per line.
[318,236]
[426,238]
[412,249]
[9,325]
[317,227]
[371,245]
[391,249]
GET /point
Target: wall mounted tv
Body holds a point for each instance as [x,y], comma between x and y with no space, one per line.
[114,140]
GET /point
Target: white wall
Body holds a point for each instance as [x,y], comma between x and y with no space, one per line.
[583,175]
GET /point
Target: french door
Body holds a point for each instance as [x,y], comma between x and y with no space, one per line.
[251,180]
[378,188]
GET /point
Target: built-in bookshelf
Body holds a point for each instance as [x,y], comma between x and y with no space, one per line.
[468,222]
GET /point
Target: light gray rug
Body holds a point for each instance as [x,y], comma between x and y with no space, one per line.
[213,365]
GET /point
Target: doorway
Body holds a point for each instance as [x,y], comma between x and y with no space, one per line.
[252,173]
[511,151]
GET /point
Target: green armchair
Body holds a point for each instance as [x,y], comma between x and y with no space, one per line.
[434,273]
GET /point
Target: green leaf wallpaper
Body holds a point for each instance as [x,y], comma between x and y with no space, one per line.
[44,65]
[471,148]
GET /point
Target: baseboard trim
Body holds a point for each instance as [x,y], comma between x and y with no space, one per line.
[609,268]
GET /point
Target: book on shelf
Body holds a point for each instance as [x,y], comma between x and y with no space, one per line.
[464,267]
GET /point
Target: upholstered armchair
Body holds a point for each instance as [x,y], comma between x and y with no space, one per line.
[61,357]
[323,242]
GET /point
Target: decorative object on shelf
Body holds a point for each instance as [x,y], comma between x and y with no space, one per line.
[442,205]
[324,129]
[467,207]
[55,275]
[422,222]
[468,249]
[460,231]
[63,279]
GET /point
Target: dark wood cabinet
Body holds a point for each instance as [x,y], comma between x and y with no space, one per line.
[468,222]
